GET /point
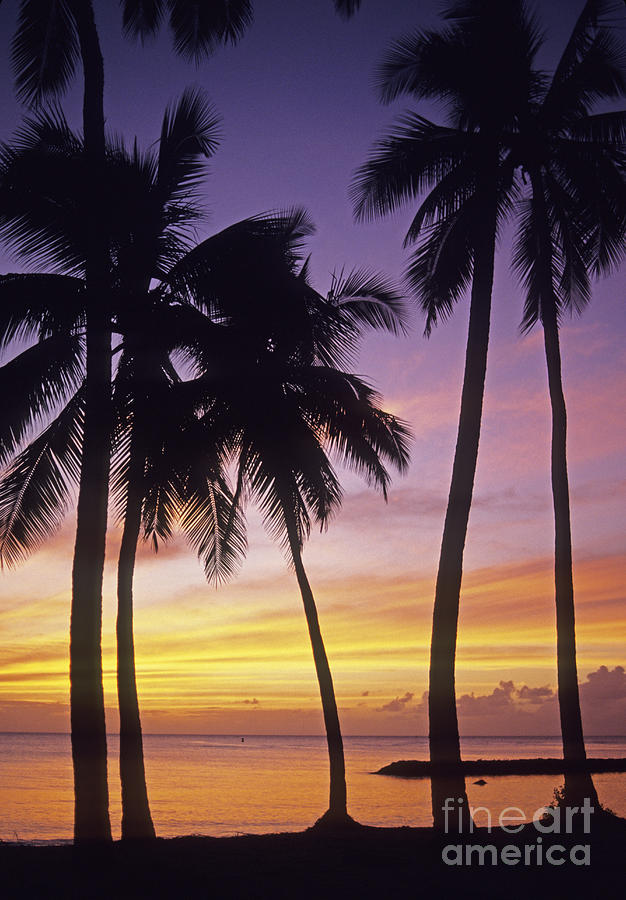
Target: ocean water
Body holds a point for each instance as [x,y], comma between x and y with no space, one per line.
[219,785]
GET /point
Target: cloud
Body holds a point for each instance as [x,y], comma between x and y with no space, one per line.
[535,695]
[253,702]
[512,709]
[501,698]
[400,704]
[605,684]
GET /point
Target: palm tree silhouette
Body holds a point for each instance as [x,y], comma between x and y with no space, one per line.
[46,49]
[570,226]
[293,406]
[479,66]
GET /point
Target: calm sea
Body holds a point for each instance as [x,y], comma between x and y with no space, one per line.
[221,785]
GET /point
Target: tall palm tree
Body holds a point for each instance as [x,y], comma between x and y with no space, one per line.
[289,345]
[479,67]
[571,225]
[50,39]
[291,406]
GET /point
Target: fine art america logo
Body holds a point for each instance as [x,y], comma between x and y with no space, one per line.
[547,821]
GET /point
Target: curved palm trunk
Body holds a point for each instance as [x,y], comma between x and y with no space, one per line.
[578,785]
[136,818]
[89,750]
[449,797]
[337,803]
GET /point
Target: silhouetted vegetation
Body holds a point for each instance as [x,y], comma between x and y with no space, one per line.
[181,380]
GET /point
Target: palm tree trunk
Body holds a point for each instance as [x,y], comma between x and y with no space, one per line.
[447,787]
[89,749]
[337,803]
[136,818]
[578,785]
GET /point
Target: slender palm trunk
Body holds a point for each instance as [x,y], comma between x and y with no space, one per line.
[449,797]
[89,750]
[578,785]
[337,803]
[136,818]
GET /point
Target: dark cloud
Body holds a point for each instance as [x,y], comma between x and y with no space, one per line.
[535,695]
[509,709]
[502,697]
[365,694]
[253,702]
[604,684]
[400,704]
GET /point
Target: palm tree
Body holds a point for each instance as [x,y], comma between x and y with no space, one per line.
[291,406]
[479,66]
[570,227]
[46,48]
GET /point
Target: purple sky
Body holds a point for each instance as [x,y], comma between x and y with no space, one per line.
[299,115]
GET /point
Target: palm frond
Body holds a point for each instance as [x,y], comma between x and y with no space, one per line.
[45,49]
[189,133]
[411,65]
[142,18]
[358,300]
[44,190]
[441,268]
[592,180]
[603,129]
[345,412]
[572,261]
[33,386]
[591,68]
[524,264]
[199,27]
[37,306]
[232,272]
[36,488]
[214,524]
[369,300]
[415,156]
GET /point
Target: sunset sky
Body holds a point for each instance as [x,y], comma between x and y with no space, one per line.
[299,115]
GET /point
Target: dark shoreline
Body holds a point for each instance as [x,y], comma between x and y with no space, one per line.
[413,768]
[360,863]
